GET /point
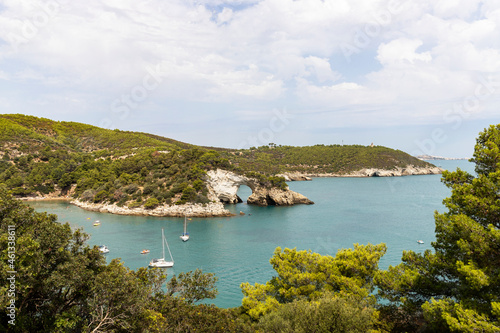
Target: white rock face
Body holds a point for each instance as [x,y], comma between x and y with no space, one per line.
[222,188]
[193,210]
[397,172]
[225,184]
[407,171]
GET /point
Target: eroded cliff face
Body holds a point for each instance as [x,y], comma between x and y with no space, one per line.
[214,209]
[225,185]
[409,170]
[264,197]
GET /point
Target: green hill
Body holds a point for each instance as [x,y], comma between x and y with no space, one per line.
[322,158]
[40,156]
[38,133]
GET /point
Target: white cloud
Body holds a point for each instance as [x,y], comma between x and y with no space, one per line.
[402,50]
[224,16]
[417,56]
[463,9]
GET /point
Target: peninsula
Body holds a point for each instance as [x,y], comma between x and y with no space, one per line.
[137,173]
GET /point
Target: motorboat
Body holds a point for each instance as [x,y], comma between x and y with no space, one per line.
[103,249]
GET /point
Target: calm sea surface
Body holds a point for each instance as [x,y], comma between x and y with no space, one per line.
[396,211]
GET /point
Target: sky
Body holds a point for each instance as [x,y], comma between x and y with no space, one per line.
[422,76]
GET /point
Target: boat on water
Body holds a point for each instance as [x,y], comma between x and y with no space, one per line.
[144,251]
[162,263]
[420,241]
[185,234]
[96,223]
[103,249]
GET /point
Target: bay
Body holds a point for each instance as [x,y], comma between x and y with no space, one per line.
[397,211]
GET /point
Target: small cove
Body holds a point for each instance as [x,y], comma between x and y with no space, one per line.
[395,210]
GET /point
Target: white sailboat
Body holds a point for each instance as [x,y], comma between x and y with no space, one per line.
[162,262]
[185,234]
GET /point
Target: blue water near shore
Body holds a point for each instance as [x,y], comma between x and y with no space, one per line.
[396,211]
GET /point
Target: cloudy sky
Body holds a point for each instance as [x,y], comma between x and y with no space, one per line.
[417,75]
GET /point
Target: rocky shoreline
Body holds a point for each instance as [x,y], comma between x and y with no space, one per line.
[223,187]
[397,172]
[214,209]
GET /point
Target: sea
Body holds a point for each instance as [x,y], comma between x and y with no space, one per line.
[396,211]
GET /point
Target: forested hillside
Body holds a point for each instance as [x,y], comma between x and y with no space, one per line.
[40,157]
[322,158]
[63,285]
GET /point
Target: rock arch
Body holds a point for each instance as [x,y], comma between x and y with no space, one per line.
[223,186]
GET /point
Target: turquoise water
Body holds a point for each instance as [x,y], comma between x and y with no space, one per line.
[397,211]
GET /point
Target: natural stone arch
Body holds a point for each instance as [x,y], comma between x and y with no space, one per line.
[242,193]
[223,186]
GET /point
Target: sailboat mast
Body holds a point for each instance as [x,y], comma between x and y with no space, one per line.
[185,224]
[163,242]
[170,253]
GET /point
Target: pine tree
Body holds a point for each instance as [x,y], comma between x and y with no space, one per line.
[456,288]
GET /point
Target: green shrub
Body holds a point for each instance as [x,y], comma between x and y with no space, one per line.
[149,188]
[88,195]
[134,204]
[130,189]
[151,203]
[101,196]
[328,314]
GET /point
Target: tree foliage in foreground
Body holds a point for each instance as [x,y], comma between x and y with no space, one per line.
[63,285]
[328,314]
[303,275]
[456,288]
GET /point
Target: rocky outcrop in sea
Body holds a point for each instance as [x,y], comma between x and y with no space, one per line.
[225,185]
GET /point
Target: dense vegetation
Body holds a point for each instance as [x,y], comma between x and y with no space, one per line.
[457,287]
[39,157]
[62,285]
[321,158]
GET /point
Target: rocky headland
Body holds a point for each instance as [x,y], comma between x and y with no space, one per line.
[222,188]
[225,185]
[214,209]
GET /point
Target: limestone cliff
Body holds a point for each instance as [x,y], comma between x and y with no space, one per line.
[274,196]
[396,172]
[213,209]
[225,185]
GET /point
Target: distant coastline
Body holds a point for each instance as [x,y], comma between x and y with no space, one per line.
[396,172]
[430,157]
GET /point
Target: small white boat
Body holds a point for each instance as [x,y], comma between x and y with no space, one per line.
[96,223]
[162,263]
[103,249]
[144,251]
[420,241]
[185,234]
